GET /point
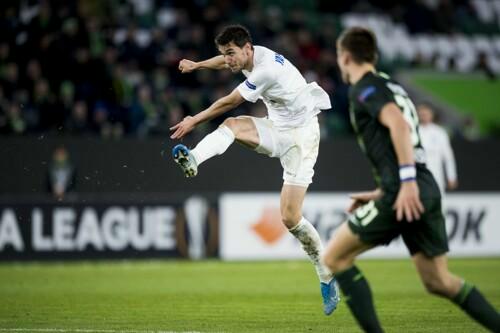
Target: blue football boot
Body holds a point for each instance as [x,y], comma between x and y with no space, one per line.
[185,160]
[331,296]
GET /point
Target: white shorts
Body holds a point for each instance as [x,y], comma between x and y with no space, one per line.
[297,148]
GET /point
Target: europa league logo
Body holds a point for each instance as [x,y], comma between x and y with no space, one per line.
[199,229]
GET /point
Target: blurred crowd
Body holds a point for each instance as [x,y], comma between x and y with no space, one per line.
[109,68]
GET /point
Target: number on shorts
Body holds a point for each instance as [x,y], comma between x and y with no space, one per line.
[365,214]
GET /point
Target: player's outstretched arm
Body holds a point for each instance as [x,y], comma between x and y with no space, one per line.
[449,161]
[219,107]
[408,204]
[217,62]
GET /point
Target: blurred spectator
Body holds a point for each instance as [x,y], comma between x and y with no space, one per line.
[110,67]
[170,108]
[439,155]
[144,113]
[32,75]
[484,66]
[66,97]
[470,129]
[43,102]
[10,80]
[61,173]
[78,121]
[13,122]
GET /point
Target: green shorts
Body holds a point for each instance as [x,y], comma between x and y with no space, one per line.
[376,223]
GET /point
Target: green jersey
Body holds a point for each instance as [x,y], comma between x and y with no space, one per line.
[367,98]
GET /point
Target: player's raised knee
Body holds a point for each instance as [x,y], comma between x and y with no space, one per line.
[231,123]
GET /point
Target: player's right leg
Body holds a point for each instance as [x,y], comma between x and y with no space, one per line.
[241,129]
[371,224]
[439,281]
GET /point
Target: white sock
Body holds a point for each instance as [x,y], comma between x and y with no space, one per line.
[311,243]
[213,144]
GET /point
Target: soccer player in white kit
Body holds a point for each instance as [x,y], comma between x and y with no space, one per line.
[290,132]
[439,155]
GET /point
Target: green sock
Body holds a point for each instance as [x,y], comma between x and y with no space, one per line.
[358,296]
[476,306]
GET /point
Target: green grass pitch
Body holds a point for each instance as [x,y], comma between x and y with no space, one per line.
[470,94]
[214,296]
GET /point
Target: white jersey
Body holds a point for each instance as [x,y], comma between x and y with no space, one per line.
[290,100]
[440,159]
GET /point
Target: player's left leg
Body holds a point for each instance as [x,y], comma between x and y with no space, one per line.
[428,244]
[438,280]
[370,225]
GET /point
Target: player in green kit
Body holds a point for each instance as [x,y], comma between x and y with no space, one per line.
[407,201]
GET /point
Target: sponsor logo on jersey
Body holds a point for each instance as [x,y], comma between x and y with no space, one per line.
[279,58]
[365,93]
[250,85]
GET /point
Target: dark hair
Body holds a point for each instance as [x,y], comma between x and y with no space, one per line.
[237,34]
[361,43]
[429,106]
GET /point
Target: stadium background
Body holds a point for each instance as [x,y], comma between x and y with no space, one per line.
[100,79]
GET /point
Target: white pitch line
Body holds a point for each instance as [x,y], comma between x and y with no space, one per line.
[86,330]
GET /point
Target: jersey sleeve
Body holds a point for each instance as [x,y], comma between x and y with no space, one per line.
[448,157]
[256,83]
[373,97]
